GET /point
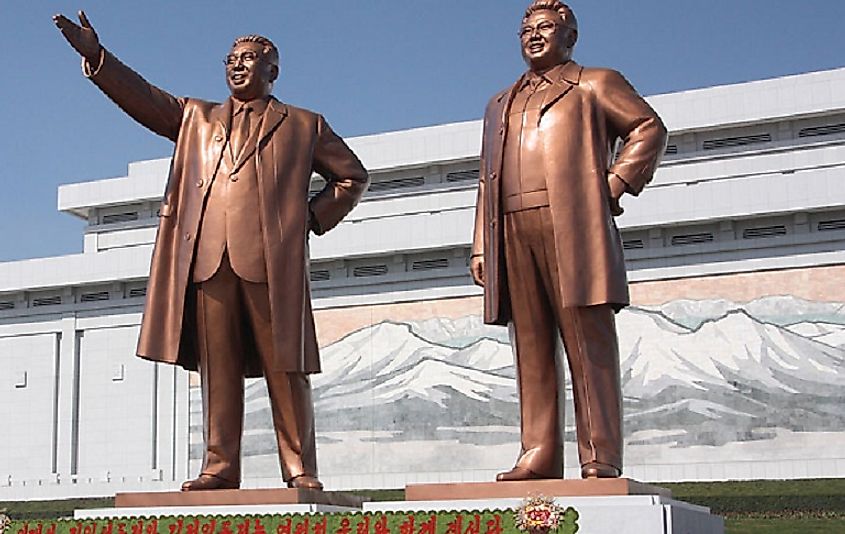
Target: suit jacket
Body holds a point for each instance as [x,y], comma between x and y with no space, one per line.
[292,143]
[583,114]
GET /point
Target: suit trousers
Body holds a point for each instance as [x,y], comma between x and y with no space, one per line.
[589,339]
[231,314]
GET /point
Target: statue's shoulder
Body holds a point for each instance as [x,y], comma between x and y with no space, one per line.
[500,96]
[295,111]
[191,102]
[600,75]
[499,99]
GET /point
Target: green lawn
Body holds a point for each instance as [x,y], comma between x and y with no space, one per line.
[750,507]
[785,526]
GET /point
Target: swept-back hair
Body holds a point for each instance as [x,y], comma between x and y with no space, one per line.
[564,11]
[270,50]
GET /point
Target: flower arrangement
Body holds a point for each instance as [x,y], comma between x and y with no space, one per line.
[539,515]
[5,521]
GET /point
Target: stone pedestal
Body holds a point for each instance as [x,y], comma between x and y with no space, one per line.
[604,506]
[642,514]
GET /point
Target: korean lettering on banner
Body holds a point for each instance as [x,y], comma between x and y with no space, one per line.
[428,527]
[141,527]
[494,526]
[425,527]
[380,526]
[82,528]
[183,526]
[471,524]
[37,528]
[301,526]
[407,526]
[363,526]
[344,526]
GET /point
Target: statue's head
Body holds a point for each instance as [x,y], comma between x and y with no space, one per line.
[251,67]
[548,34]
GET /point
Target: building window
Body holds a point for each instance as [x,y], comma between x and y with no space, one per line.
[399,183]
[827,129]
[462,176]
[742,140]
[427,265]
[692,239]
[764,231]
[320,275]
[119,217]
[94,297]
[364,271]
[52,300]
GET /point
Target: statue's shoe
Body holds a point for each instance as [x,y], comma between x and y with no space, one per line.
[209,482]
[599,470]
[305,482]
[519,473]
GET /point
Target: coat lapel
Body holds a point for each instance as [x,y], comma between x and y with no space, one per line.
[273,115]
[568,77]
[508,97]
[221,119]
[505,100]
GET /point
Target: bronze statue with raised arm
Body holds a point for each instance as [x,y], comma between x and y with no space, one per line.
[228,293]
[546,248]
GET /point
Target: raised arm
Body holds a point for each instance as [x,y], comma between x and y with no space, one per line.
[152,107]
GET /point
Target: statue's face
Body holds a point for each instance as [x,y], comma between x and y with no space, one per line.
[248,72]
[545,40]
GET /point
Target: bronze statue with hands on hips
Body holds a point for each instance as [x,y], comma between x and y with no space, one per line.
[228,293]
[546,248]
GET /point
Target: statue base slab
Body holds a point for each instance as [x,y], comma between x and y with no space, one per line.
[528,488]
[239,501]
[236,497]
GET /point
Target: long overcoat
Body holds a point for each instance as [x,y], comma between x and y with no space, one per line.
[292,143]
[583,114]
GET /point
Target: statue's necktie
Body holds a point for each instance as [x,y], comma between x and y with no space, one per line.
[240,131]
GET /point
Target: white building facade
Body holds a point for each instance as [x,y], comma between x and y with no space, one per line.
[733,351]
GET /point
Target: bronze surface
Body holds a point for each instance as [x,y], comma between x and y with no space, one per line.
[234,223]
[546,248]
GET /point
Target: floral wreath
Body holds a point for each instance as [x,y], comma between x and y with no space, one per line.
[541,515]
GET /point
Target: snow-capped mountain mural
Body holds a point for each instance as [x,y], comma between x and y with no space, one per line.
[695,373]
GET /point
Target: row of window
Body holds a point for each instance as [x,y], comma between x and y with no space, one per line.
[734,141]
[36,301]
[759,232]
[381,269]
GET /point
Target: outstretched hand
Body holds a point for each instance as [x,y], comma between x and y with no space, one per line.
[81,37]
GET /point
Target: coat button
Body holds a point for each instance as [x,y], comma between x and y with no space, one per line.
[200,182]
[233,177]
[492,175]
[187,237]
[218,138]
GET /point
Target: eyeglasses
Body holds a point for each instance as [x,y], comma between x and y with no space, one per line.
[244,57]
[544,28]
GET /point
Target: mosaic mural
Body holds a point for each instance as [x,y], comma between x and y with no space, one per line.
[699,376]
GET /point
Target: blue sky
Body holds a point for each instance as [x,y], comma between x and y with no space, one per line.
[369,66]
